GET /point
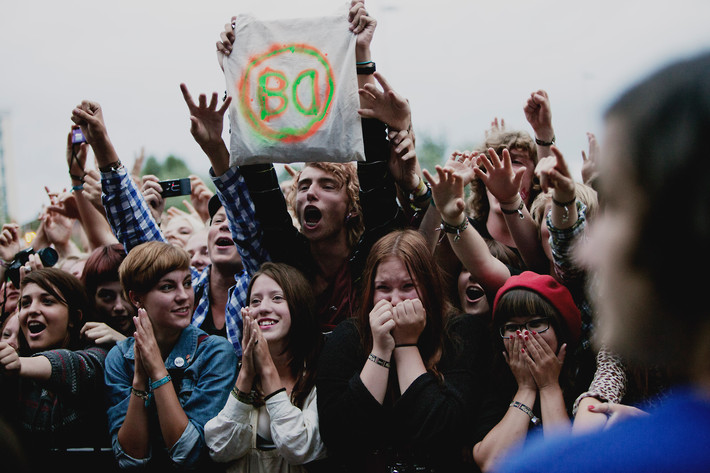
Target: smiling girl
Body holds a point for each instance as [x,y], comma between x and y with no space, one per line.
[52,387]
[270,421]
[170,378]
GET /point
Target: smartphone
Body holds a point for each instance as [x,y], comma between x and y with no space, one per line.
[77,136]
[174,187]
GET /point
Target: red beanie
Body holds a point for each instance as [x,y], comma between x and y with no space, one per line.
[552,291]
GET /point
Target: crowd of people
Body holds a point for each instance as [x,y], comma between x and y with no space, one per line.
[495,313]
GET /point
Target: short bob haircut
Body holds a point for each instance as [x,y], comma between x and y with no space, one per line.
[346,175]
[409,247]
[304,337]
[147,263]
[68,290]
[102,267]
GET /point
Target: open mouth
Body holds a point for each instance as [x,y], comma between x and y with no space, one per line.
[311,216]
[224,242]
[36,327]
[474,294]
[266,322]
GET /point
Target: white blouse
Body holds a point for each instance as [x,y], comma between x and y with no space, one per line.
[231,436]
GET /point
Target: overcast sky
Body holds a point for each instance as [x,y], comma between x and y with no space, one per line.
[460,63]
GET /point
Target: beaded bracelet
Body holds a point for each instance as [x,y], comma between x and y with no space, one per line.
[145,395]
[246,398]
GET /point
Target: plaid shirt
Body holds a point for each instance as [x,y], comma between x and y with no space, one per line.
[133,224]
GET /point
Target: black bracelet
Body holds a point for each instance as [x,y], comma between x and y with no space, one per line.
[269,396]
[564,205]
[545,143]
[379,361]
[457,229]
[525,409]
[405,345]
[518,211]
[366,69]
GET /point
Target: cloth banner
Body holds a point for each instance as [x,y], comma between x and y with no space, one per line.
[295,91]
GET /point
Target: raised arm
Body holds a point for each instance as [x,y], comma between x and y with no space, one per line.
[503,182]
[206,122]
[539,115]
[97,229]
[468,245]
[127,212]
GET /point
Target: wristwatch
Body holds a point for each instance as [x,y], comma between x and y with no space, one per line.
[115,166]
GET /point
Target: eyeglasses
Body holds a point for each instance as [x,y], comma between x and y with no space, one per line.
[538,325]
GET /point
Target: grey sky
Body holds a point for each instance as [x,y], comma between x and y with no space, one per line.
[460,63]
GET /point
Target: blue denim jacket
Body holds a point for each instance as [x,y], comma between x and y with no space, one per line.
[203,369]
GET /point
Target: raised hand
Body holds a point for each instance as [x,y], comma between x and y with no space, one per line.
[206,120]
[226,42]
[589,163]
[386,105]
[554,174]
[538,113]
[76,158]
[200,196]
[499,177]
[92,189]
[9,241]
[362,25]
[447,192]
[410,319]
[462,164]
[152,193]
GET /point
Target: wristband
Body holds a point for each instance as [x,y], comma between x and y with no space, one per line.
[141,394]
[518,211]
[527,410]
[77,188]
[377,360]
[401,345]
[564,205]
[115,166]
[545,143]
[457,229]
[246,398]
[77,178]
[269,396]
[156,384]
[366,69]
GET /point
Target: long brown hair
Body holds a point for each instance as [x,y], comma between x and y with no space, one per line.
[304,337]
[409,247]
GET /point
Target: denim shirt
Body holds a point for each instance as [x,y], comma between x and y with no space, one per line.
[203,371]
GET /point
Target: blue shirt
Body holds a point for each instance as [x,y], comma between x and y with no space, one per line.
[673,438]
[203,370]
[132,223]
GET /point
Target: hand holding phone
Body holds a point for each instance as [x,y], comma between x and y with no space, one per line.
[175,187]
